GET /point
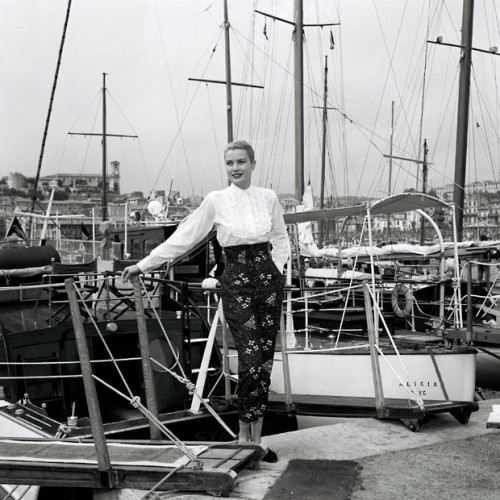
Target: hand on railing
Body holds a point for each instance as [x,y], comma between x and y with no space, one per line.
[129,272]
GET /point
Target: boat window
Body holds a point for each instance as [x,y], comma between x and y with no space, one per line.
[136,249]
[149,244]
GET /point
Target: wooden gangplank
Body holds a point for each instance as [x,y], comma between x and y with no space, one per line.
[140,465]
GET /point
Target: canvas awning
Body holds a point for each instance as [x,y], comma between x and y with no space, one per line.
[398,203]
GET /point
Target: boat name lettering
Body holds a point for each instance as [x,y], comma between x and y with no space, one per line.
[421,383]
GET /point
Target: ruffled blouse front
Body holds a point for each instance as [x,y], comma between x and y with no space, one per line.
[240,216]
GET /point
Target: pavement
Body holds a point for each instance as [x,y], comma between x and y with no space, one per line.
[444,460]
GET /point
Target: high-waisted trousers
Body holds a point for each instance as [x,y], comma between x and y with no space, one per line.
[252,297]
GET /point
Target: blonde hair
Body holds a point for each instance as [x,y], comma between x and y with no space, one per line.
[241,145]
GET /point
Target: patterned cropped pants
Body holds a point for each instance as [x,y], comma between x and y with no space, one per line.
[252,296]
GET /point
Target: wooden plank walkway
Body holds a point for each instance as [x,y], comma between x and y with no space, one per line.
[140,465]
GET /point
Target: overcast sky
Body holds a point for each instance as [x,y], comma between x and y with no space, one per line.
[149,49]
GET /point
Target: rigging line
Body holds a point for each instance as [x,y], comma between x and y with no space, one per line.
[391,69]
[423,98]
[456,31]
[344,154]
[445,178]
[63,153]
[447,102]
[158,42]
[281,131]
[121,112]
[481,96]
[100,335]
[263,122]
[190,104]
[276,62]
[316,102]
[266,110]
[331,170]
[472,150]
[484,135]
[290,73]
[249,64]
[97,95]
[90,138]
[422,103]
[307,131]
[143,161]
[214,130]
[253,99]
[486,23]
[174,100]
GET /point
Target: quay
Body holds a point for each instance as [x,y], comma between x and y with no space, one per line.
[382,460]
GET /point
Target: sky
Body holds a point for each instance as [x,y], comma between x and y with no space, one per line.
[150,48]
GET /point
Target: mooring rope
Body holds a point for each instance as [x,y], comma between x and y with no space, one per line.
[135,401]
[181,378]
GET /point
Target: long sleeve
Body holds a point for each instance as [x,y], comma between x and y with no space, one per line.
[279,237]
[189,232]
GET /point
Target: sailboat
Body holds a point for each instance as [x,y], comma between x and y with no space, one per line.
[360,378]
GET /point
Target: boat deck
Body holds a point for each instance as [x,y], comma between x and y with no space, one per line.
[142,465]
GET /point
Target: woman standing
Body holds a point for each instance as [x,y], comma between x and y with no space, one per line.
[252,232]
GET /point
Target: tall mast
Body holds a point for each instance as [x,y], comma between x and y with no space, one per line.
[424,190]
[323,152]
[299,26]
[228,81]
[104,135]
[229,97]
[463,115]
[299,99]
[323,142]
[389,192]
[104,152]
[49,112]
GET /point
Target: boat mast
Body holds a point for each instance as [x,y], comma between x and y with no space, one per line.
[104,135]
[323,142]
[463,115]
[49,113]
[424,189]
[323,152]
[227,82]
[229,97]
[389,192]
[298,32]
[104,201]
[299,99]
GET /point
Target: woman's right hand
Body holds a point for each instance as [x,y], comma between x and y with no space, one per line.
[130,271]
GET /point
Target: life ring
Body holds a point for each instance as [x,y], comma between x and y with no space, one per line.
[400,291]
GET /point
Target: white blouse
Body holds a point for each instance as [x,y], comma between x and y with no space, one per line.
[240,216]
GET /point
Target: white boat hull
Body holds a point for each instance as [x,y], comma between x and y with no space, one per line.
[14,428]
[350,375]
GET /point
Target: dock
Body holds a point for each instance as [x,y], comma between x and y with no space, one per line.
[464,459]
